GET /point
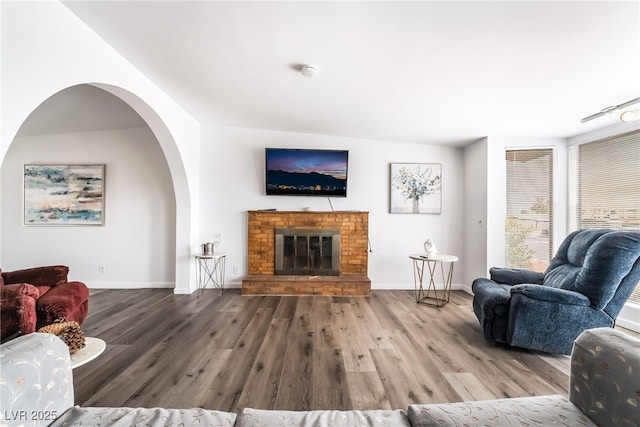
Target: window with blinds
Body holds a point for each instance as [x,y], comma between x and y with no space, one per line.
[529,221]
[606,187]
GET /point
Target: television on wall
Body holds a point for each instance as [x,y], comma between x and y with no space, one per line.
[306,172]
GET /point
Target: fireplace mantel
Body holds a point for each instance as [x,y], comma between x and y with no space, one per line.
[354,232]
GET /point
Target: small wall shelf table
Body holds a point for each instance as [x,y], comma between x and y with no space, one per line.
[431,295]
[210,271]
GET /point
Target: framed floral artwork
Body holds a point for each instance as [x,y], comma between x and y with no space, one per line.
[416,188]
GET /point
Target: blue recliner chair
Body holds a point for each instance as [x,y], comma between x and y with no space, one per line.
[584,287]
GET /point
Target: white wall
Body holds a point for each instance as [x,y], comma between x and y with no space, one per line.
[136,245]
[475,208]
[45,49]
[496,203]
[232,181]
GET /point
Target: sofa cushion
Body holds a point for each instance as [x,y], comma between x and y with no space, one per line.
[17,309]
[570,257]
[553,410]
[19,289]
[562,277]
[17,316]
[605,377]
[36,380]
[66,301]
[260,417]
[594,263]
[515,276]
[39,276]
[148,417]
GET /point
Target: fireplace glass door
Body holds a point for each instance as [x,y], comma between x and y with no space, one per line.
[301,252]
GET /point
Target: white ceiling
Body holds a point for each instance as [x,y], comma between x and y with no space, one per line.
[429,72]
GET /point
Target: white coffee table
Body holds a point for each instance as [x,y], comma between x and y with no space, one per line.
[93,348]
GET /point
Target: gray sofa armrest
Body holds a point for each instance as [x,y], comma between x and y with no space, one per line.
[36,382]
[561,308]
[605,377]
[515,276]
[549,294]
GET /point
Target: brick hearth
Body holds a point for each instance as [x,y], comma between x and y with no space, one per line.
[354,231]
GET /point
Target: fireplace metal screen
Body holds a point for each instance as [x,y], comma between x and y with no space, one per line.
[307,251]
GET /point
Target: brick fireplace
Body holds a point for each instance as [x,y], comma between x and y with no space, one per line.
[352,229]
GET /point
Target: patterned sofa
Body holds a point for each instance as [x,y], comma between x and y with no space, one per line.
[36,389]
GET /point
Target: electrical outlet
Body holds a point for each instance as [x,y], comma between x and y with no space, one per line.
[101,269]
[236,270]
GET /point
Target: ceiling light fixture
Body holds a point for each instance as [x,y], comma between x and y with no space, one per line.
[308,70]
[610,109]
[630,115]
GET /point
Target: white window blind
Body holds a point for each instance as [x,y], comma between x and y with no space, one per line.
[607,193]
[529,222]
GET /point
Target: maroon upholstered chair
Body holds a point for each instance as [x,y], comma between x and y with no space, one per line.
[36,297]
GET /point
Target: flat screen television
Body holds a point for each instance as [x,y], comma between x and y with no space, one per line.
[306,172]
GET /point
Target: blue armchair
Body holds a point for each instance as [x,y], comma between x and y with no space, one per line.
[584,287]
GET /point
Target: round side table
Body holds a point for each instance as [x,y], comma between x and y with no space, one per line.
[93,348]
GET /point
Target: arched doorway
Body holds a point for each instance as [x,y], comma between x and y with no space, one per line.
[117,126]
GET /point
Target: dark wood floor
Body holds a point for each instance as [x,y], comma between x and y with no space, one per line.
[230,351]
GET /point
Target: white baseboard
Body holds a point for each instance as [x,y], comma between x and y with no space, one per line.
[233,285]
[130,285]
[409,286]
[377,286]
[238,285]
[629,317]
[380,286]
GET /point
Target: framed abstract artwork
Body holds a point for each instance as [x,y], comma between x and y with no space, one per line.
[64,194]
[416,188]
